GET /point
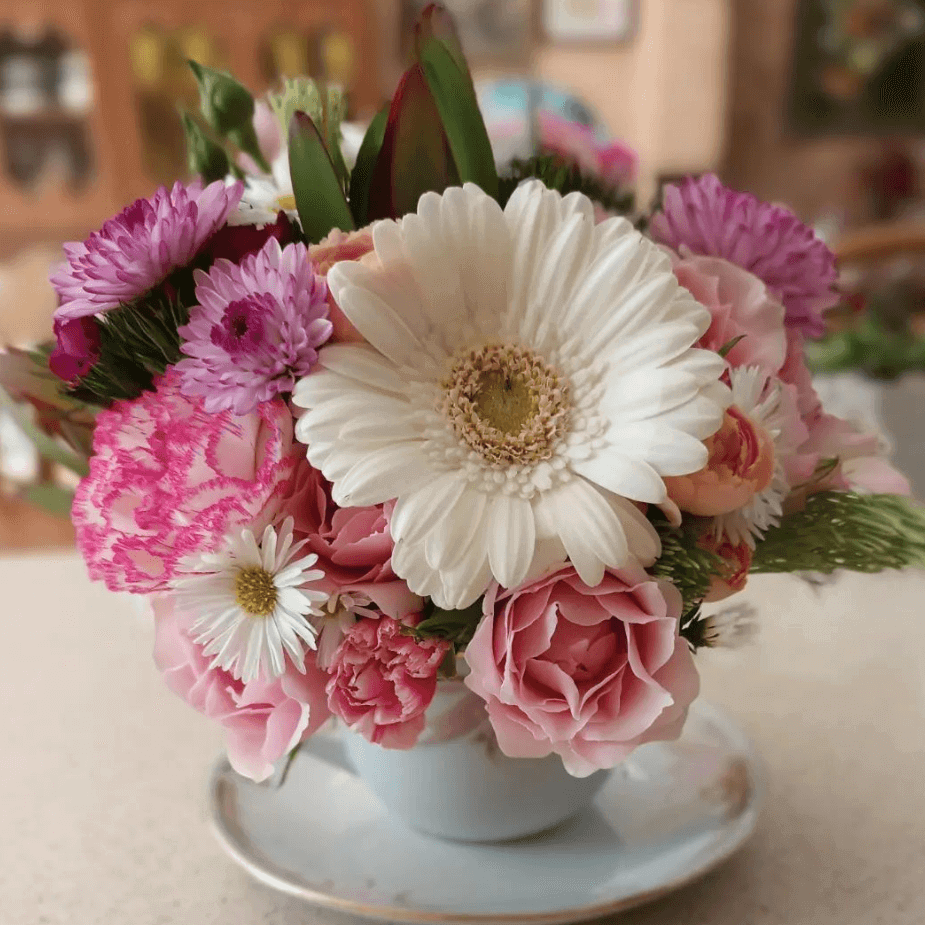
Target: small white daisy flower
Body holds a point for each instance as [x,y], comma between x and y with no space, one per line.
[252,602]
[759,397]
[266,195]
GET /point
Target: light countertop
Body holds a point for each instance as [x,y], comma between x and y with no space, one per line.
[103,774]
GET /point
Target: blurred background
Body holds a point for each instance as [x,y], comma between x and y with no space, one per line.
[819,104]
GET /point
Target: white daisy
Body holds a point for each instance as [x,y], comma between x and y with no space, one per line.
[251,603]
[339,614]
[529,377]
[266,195]
[759,397]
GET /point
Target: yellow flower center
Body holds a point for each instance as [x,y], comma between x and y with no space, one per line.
[286,202]
[255,591]
[507,404]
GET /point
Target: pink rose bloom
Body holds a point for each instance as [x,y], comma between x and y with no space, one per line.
[167,480]
[383,681]
[336,247]
[741,464]
[587,673]
[741,306]
[264,720]
[353,544]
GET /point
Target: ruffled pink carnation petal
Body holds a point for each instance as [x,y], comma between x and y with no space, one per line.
[702,216]
[586,673]
[353,544]
[382,682]
[139,248]
[256,330]
[264,720]
[168,480]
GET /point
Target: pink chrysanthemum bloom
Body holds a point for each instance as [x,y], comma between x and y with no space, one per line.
[139,248]
[256,330]
[702,216]
[168,480]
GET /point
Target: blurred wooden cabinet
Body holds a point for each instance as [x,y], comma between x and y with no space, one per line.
[89,92]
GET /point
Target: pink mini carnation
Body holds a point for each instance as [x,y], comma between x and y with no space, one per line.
[167,480]
[382,682]
[587,673]
[353,544]
[139,248]
[339,246]
[264,720]
[702,216]
[256,330]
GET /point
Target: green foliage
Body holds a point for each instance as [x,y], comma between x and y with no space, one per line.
[684,562]
[455,626]
[362,175]
[564,177]
[138,341]
[205,156]
[319,194]
[843,530]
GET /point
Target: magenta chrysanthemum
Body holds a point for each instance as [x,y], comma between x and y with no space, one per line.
[256,330]
[141,246]
[168,480]
[705,217]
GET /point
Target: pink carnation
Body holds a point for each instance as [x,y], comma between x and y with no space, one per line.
[587,673]
[353,544]
[382,682]
[167,479]
[139,248]
[339,246]
[264,720]
[702,216]
[256,330]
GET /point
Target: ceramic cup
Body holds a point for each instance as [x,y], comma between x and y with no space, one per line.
[456,784]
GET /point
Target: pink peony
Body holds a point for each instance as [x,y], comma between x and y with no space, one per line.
[336,247]
[167,479]
[740,465]
[141,246]
[587,673]
[353,544]
[264,720]
[741,307]
[702,216]
[256,330]
[382,682]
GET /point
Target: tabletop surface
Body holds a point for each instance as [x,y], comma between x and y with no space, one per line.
[102,780]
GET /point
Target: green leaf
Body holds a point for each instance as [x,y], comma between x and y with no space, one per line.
[843,530]
[204,156]
[436,22]
[415,157]
[729,346]
[362,175]
[228,107]
[319,195]
[455,626]
[684,562]
[459,112]
[50,497]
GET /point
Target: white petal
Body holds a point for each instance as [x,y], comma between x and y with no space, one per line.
[511,538]
[382,475]
[626,476]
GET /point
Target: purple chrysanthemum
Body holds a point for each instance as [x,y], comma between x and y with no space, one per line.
[141,246]
[256,330]
[768,240]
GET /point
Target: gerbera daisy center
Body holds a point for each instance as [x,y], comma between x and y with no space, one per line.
[507,404]
[255,591]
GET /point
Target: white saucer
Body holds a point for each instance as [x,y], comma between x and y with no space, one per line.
[667,816]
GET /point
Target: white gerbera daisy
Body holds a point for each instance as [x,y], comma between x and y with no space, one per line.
[759,397]
[529,377]
[251,602]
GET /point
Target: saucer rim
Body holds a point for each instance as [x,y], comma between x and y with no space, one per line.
[267,872]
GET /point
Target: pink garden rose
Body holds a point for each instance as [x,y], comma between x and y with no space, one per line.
[167,480]
[741,306]
[587,673]
[336,247]
[264,720]
[353,544]
[741,463]
[382,682]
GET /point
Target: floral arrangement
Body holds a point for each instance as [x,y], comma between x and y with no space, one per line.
[358,429]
